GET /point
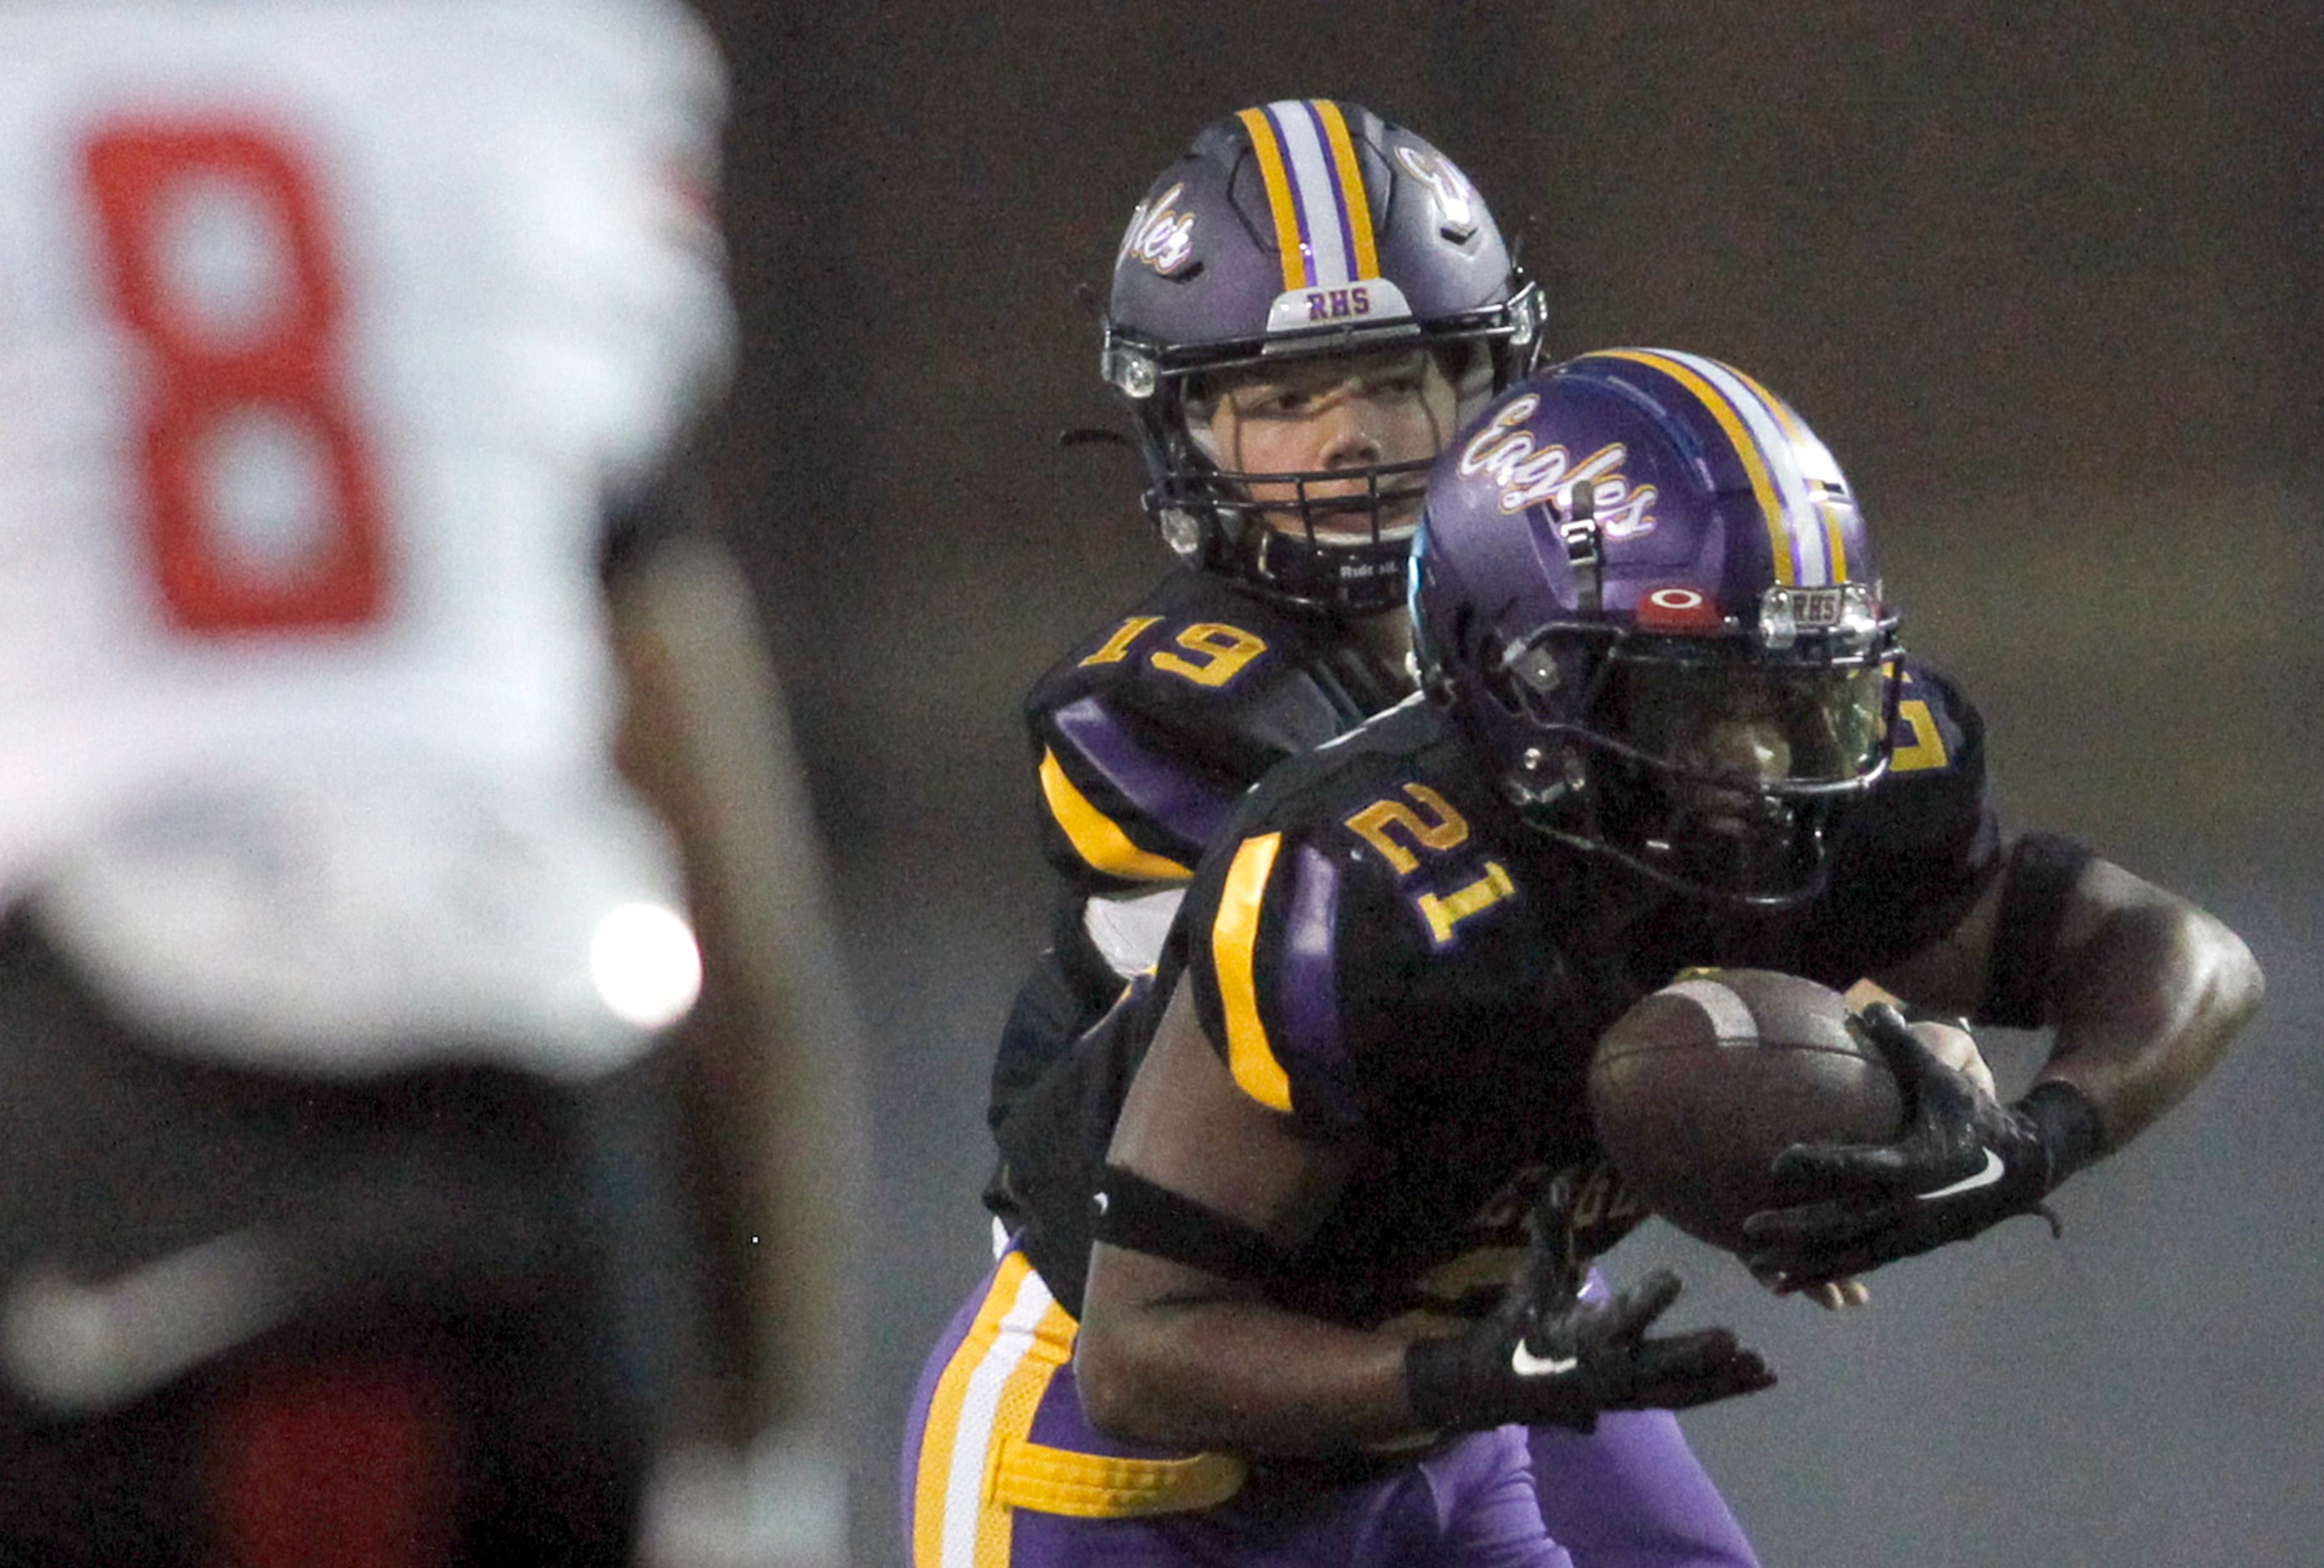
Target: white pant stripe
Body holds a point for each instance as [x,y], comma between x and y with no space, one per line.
[979,1406]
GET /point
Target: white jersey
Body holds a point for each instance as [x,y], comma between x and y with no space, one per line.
[326,331]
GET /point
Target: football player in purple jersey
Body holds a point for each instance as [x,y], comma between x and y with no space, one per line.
[1262,1307]
[1304,307]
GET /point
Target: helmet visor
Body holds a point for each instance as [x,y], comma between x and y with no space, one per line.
[1770,728]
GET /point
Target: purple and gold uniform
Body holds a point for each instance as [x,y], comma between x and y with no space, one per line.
[1291,233]
[1384,952]
[1144,738]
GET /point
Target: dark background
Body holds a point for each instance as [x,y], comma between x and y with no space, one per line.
[2048,284]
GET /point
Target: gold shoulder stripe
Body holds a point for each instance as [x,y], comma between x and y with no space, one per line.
[1096,837]
[1234,938]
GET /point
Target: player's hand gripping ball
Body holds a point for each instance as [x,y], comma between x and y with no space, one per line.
[1699,1087]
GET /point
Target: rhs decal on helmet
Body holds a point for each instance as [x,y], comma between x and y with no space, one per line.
[1374,303]
[1508,461]
[1161,236]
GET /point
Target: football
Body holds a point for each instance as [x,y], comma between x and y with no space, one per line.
[1696,1089]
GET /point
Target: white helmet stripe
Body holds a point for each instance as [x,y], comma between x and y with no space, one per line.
[1315,188]
[1802,518]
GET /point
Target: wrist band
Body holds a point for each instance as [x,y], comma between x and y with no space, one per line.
[2071,1134]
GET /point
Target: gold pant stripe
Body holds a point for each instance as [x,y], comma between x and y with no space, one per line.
[988,1391]
[1095,1486]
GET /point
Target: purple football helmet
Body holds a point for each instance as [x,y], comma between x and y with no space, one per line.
[1293,230]
[1644,590]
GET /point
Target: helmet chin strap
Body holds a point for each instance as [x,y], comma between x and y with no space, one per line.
[1332,580]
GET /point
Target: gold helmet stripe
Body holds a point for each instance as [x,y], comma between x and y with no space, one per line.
[1279,198]
[1747,447]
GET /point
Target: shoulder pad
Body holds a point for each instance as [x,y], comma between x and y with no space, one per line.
[1146,734]
[1355,880]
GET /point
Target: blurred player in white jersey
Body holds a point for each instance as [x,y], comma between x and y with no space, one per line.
[348,351]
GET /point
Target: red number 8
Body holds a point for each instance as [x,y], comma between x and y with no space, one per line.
[286,366]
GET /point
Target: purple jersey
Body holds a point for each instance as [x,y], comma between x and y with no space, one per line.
[1147,732]
[1384,952]
[1143,739]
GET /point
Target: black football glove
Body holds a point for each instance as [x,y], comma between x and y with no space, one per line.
[1547,1356]
[1963,1163]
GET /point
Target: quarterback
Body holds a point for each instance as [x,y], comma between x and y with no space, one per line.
[1284,447]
